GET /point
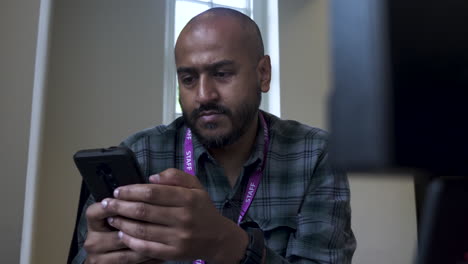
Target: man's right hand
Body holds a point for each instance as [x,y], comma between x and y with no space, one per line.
[103,244]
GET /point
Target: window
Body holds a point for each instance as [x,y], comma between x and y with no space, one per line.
[179,12]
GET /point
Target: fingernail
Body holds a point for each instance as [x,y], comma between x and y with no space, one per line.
[116,193]
[155,178]
[120,234]
[110,220]
[104,203]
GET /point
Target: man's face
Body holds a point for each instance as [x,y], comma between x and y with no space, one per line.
[219,86]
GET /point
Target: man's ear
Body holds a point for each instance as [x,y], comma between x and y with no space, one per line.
[264,73]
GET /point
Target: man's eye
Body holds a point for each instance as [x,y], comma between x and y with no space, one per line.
[187,80]
[221,74]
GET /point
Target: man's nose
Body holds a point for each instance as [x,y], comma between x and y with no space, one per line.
[207,90]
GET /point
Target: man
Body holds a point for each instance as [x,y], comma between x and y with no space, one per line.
[263,190]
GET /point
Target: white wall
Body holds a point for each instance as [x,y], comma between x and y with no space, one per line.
[18,34]
[384,218]
[104,83]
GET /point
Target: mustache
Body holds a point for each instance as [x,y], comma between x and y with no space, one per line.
[212,107]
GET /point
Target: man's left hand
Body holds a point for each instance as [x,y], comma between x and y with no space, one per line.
[174,219]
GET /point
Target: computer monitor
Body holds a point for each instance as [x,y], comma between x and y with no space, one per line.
[400,98]
[400,85]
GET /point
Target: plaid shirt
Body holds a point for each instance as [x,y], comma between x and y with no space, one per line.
[302,204]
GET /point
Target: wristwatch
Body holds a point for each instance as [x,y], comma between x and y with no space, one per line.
[254,251]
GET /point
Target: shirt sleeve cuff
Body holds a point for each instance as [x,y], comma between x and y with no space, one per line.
[80,257]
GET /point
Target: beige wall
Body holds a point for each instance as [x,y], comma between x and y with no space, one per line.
[18,34]
[104,83]
[304,60]
[384,218]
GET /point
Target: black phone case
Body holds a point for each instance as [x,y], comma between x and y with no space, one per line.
[103,170]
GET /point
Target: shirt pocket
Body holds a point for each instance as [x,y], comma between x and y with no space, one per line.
[277,232]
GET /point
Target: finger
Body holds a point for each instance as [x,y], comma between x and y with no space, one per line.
[156,214]
[142,230]
[100,242]
[163,195]
[176,177]
[96,217]
[149,248]
[121,256]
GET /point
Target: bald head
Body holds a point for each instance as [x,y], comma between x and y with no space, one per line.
[225,19]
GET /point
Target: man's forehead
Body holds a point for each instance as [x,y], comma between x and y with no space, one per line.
[200,67]
[208,45]
[206,53]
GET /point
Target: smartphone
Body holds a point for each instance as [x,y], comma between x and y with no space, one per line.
[103,170]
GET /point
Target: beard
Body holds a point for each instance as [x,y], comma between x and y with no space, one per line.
[241,119]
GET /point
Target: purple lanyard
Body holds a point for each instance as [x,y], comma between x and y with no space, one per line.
[254,180]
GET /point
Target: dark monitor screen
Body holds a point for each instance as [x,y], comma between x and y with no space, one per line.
[400,84]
